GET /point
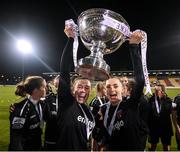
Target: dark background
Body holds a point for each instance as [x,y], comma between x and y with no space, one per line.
[42,22]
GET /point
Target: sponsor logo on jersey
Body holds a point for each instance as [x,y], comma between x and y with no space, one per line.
[118,125]
[18,122]
[36,125]
[82,119]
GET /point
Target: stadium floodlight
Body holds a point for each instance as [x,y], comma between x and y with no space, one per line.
[24,46]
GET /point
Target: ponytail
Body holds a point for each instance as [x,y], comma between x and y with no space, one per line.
[27,86]
[20,90]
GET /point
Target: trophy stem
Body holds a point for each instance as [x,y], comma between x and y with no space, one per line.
[93,66]
[97,54]
[97,49]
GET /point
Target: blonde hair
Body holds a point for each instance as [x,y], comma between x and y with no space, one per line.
[100,86]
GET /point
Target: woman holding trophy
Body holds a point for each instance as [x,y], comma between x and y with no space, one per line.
[121,122]
[120,117]
[75,121]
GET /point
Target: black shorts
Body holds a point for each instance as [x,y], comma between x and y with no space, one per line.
[165,139]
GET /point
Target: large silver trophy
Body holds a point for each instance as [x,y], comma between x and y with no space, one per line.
[98,34]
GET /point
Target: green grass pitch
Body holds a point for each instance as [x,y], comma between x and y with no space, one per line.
[7,97]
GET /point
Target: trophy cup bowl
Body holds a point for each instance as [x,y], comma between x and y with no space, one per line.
[100,39]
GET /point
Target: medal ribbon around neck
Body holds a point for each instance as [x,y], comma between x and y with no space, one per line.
[88,131]
[110,127]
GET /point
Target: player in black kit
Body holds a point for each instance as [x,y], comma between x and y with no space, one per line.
[26,119]
[75,120]
[50,116]
[121,121]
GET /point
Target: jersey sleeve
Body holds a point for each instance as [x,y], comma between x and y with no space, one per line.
[17,125]
[65,97]
[137,91]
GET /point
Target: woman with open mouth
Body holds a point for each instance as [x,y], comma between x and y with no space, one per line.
[75,120]
[121,121]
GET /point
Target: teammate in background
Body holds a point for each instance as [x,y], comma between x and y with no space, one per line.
[49,112]
[50,116]
[124,80]
[26,120]
[100,98]
[95,106]
[176,119]
[160,125]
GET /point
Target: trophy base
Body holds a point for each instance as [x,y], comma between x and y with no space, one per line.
[93,69]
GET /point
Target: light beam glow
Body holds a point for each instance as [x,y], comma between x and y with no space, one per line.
[24,46]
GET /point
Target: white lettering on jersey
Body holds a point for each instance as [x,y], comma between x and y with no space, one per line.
[82,119]
[34,126]
[118,125]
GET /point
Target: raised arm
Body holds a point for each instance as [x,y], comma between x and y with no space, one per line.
[64,88]
[66,62]
[134,41]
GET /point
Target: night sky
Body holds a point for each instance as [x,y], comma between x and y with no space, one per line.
[42,22]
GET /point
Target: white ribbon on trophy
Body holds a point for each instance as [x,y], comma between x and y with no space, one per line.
[74,27]
[144,64]
[126,31]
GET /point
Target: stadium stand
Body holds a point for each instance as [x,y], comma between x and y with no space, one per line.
[174,81]
[178,80]
[168,82]
[163,82]
[153,79]
[170,78]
